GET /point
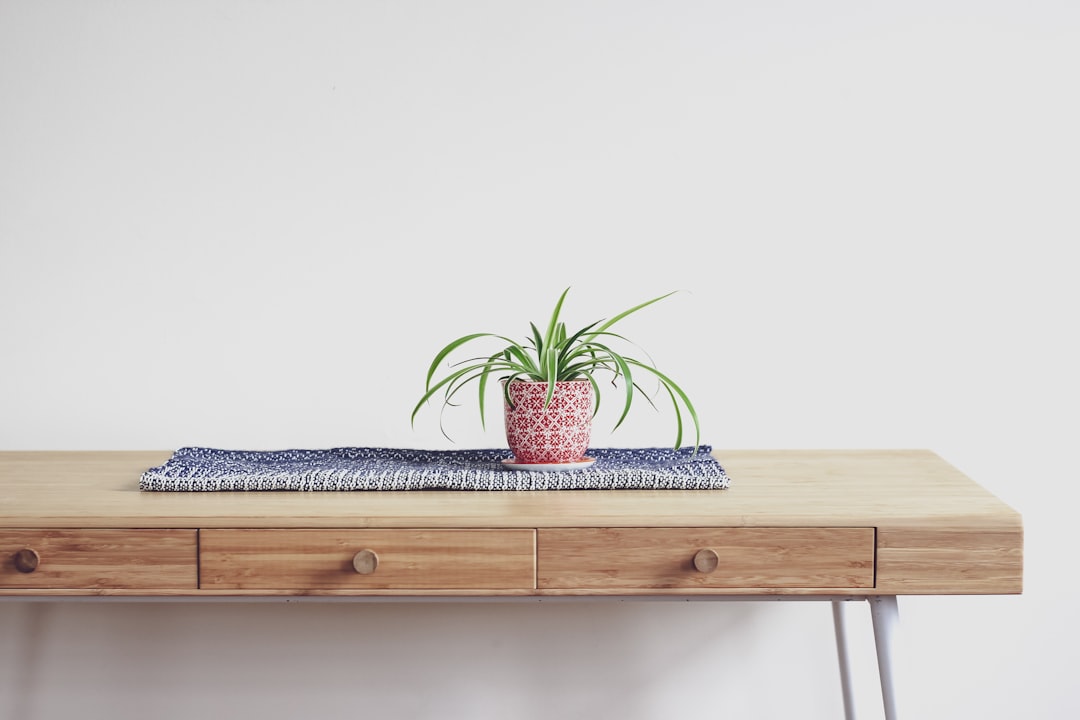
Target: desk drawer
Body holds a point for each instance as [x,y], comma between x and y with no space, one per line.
[98,559]
[253,559]
[649,559]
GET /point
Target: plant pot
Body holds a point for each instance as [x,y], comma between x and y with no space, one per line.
[558,433]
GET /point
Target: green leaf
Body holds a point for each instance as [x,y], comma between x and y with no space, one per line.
[674,389]
[634,309]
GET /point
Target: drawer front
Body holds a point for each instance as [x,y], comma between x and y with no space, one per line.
[655,559]
[99,559]
[252,559]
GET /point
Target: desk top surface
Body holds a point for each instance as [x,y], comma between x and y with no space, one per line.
[825,488]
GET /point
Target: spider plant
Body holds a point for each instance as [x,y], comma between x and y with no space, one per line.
[556,355]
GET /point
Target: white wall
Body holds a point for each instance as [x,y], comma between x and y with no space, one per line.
[251,224]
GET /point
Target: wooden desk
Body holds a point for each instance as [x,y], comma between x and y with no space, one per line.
[828,525]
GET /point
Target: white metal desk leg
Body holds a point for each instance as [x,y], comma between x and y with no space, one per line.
[842,655]
[886,618]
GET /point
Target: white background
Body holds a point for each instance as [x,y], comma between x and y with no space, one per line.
[251,224]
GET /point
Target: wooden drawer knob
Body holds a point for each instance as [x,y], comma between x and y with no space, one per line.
[706,560]
[365,562]
[26,560]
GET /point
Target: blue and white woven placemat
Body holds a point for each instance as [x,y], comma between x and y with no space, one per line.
[198,469]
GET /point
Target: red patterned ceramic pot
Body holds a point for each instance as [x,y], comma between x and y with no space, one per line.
[558,433]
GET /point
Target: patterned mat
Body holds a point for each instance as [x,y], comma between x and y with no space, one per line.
[198,469]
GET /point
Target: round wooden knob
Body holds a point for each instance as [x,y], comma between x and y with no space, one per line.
[365,562]
[26,560]
[706,560]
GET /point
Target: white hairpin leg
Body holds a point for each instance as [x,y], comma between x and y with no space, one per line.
[842,655]
[886,618]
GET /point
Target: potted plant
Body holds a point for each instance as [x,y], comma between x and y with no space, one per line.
[551,385]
